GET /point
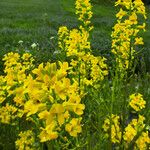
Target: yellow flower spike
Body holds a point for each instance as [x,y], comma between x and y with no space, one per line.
[127,28]
[114,126]
[129,134]
[63,33]
[8,113]
[83,9]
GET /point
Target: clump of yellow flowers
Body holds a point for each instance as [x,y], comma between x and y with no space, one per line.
[83,9]
[26,140]
[44,96]
[134,134]
[87,69]
[137,102]
[125,35]
[112,125]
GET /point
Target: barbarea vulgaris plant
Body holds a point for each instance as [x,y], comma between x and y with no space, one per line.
[87,69]
[126,32]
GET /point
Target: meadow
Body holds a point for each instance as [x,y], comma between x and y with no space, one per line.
[61,68]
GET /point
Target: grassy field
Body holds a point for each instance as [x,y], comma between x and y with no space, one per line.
[36,21]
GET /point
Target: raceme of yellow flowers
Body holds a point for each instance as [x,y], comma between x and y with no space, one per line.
[87,69]
[125,35]
[134,130]
[83,9]
[115,130]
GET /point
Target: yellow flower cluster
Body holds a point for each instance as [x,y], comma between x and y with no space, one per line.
[135,131]
[143,141]
[26,141]
[137,102]
[87,69]
[63,33]
[83,9]
[16,68]
[7,113]
[136,128]
[44,93]
[113,123]
[133,128]
[74,42]
[125,36]
[16,71]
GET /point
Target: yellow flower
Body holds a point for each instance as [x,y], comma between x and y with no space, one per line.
[49,132]
[121,14]
[8,113]
[74,127]
[61,87]
[58,110]
[33,106]
[127,28]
